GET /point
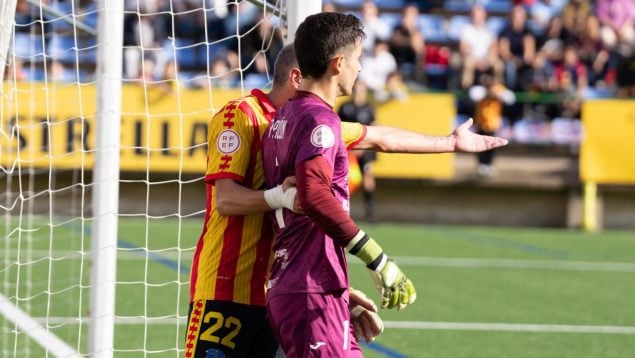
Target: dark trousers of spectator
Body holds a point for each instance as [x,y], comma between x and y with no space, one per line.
[486,157]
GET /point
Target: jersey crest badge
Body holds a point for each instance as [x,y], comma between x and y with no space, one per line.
[322,136]
[228,141]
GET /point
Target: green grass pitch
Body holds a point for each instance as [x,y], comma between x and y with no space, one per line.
[482,292]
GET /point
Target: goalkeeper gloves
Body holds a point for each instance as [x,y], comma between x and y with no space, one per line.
[395,288]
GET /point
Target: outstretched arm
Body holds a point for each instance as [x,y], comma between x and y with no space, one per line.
[396,140]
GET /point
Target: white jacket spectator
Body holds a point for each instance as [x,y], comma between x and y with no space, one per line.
[377,67]
[374,27]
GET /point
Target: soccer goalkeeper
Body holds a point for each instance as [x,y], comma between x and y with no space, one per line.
[307,297]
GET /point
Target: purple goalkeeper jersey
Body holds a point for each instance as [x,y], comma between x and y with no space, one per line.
[305,258]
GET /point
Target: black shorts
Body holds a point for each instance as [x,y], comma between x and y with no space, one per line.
[228,329]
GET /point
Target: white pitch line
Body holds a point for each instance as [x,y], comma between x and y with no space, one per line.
[512,264]
[185,254]
[45,338]
[122,254]
[509,327]
[421,325]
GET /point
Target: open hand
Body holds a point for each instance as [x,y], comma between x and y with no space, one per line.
[468,141]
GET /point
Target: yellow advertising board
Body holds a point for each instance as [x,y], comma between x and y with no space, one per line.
[608,147]
[424,113]
[53,125]
[164,129]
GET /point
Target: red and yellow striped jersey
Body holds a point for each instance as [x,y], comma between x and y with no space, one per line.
[233,254]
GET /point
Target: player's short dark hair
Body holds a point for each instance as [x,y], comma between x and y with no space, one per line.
[285,61]
[321,36]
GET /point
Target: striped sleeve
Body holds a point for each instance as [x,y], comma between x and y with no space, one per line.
[352,133]
[229,138]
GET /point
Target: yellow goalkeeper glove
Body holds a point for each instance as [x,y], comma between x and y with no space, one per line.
[395,288]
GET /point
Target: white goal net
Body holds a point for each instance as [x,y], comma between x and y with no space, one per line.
[181,61]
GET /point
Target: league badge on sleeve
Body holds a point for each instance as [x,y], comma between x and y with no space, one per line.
[228,141]
[322,136]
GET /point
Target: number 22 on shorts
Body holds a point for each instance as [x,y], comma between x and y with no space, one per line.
[210,334]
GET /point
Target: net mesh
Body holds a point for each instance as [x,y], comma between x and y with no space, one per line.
[182,61]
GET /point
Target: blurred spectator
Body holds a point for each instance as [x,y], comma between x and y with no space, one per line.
[557,31]
[376,68]
[358,109]
[617,19]
[375,28]
[258,49]
[626,76]
[28,39]
[574,16]
[329,7]
[216,13]
[240,13]
[144,34]
[542,12]
[407,43]
[478,46]
[395,87]
[542,81]
[572,78]
[220,75]
[489,98]
[436,66]
[601,63]
[542,71]
[517,47]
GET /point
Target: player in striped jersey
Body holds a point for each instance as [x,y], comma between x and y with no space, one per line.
[227,288]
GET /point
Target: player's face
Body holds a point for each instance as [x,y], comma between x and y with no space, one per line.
[350,69]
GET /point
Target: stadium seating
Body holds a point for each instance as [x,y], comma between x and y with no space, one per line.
[348,3]
[433,28]
[498,6]
[391,18]
[29,47]
[458,6]
[496,24]
[455,26]
[390,4]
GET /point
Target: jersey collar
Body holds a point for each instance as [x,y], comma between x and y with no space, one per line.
[301,94]
[265,102]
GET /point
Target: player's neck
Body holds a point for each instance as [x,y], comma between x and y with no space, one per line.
[323,88]
[279,96]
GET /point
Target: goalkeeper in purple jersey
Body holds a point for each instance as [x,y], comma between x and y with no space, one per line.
[307,297]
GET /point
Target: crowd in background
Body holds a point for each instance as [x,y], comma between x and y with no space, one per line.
[561,51]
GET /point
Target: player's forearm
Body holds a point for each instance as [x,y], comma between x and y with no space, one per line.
[396,140]
[235,199]
[319,203]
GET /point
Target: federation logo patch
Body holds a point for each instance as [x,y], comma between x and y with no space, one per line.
[228,141]
[322,136]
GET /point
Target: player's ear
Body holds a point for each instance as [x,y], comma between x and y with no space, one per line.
[295,76]
[336,64]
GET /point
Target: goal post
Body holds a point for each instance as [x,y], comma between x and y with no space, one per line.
[297,11]
[105,202]
[102,191]
[7,13]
